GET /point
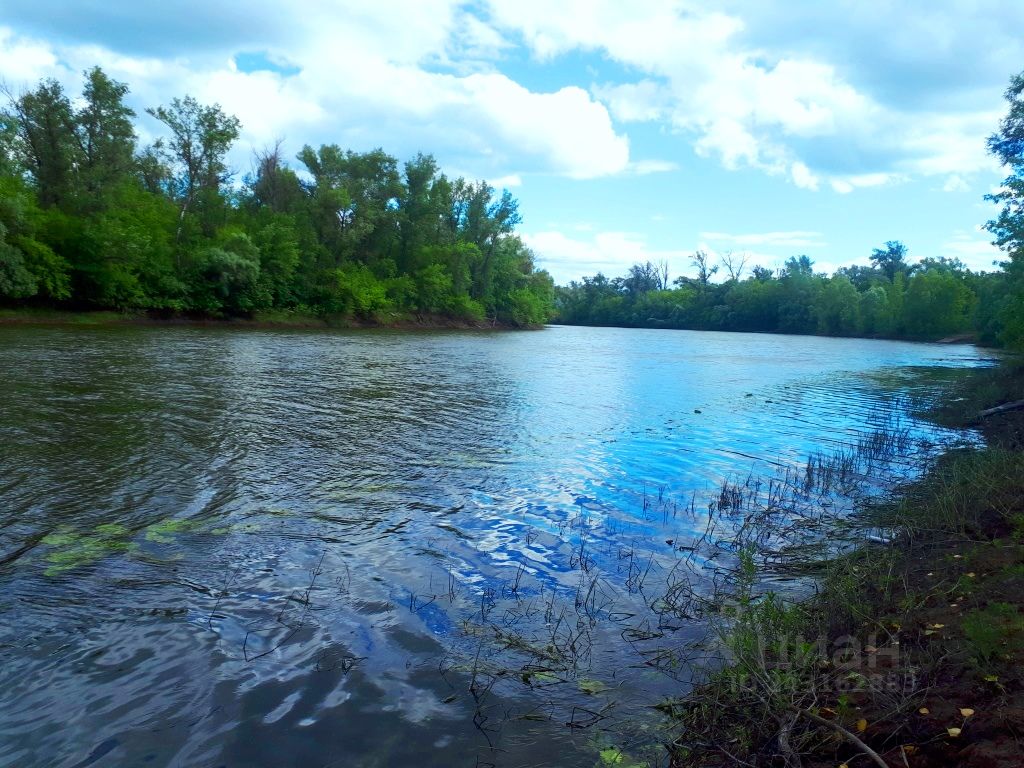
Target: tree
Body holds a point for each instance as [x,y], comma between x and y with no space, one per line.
[837,307]
[47,142]
[874,311]
[278,248]
[28,267]
[643,278]
[354,201]
[421,210]
[273,185]
[195,153]
[106,135]
[937,303]
[799,286]
[129,261]
[734,264]
[705,271]
[1007,144]
[891,259]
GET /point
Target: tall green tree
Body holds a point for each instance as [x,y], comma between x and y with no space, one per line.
[47,142]
[106,136]
[891,259]
[1007,144]
[195,154]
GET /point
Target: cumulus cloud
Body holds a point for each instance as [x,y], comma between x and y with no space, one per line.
[410,76]
[844,185]
[955,184]
[973,248]
[611,253]
[819,92]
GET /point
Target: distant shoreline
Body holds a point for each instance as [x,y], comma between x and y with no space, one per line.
[259,321]
[960,338]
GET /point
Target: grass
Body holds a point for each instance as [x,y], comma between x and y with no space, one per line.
[61,317]
[993,630]
[274,318]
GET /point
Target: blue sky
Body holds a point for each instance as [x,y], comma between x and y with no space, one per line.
[628,131]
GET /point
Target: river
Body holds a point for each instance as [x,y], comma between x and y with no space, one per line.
[230,547]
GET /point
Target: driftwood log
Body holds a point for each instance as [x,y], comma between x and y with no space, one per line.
[1014,406]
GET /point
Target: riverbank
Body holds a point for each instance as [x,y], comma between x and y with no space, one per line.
[956,338]
[911,652]
[260,320]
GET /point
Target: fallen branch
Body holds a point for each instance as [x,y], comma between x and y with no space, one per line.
[846,735]
[1014,406]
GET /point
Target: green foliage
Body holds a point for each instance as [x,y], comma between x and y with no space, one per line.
[48,270]
[993,630]
[89,218]
[433,288]
[837,307]
[226,278]
[278,247]
[16,282]
[1007,144]
[355,290]
[928,300]
[28,267]
[891,259]
[131,262]
[938,302]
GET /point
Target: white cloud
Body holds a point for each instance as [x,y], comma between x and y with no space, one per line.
[23,61]
[803,177]
[367,76]
[645,167]
[612,253]
[506,182]
[786,86]
[974,249]
[844,185]
[955,183]
[635,102]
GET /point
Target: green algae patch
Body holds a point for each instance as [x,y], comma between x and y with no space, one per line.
[165,531]
[591,687]
[70,549]
[613,756]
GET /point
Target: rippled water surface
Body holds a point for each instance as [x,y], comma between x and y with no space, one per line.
[238,548]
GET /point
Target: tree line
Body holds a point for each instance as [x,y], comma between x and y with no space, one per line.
[90,218]
[931,299]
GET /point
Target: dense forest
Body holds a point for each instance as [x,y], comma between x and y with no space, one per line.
[89,218]
[930,299]
[933,298]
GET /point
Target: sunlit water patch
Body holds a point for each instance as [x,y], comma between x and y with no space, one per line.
[290,548]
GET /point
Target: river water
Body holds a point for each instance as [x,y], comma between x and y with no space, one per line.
[288,548]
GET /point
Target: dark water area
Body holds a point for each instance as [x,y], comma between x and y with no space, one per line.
[287,548]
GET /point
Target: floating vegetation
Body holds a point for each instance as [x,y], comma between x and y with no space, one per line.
[613,757]
[70,549]
[165,531]
[591,687]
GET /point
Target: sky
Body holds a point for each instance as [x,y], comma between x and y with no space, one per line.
[627,131]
